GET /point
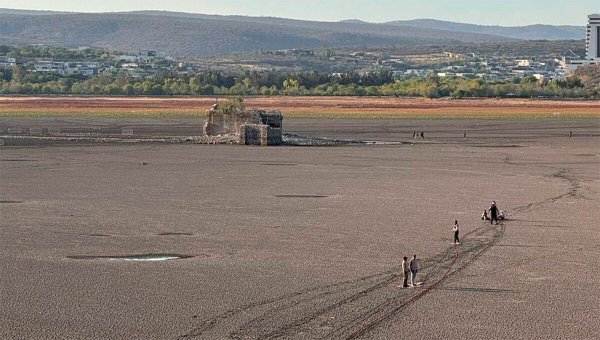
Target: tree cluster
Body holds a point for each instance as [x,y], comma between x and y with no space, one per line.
[378,82]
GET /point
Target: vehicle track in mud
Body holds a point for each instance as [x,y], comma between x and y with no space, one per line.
[351,309]
[347,309]
[574,191]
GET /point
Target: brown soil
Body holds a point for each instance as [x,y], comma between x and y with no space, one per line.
[302,106]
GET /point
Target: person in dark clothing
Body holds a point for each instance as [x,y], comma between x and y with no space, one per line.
[422,135]
[493,213]
[406,270]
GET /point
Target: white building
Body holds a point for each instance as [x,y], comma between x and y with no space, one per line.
[83,68]
[127,58]
[6,62]
[415,72]
[592,47]
[592,39]
[129,66]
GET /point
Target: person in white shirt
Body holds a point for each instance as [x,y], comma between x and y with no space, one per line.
[414,268]
[406,270]
[456,232]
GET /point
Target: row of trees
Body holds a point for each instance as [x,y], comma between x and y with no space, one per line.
[59,53]
[376,83]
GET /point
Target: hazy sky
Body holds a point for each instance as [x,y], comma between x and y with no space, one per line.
[490,12]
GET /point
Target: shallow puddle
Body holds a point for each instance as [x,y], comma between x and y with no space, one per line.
[279,164]
[132,258]
[170,233]
[100,235]
[302,196]
[375,142]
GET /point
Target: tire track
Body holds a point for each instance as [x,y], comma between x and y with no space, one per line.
[458,264]
[574,191]
[351,309]
[336,310]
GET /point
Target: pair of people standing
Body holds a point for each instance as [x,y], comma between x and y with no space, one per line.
[416,134]
[410,268]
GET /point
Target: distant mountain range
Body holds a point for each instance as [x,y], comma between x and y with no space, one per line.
[529,32]
[187,34]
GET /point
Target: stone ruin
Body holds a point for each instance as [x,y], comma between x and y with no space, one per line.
[251,127]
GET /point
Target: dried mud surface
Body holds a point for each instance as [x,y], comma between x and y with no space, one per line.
[303,242]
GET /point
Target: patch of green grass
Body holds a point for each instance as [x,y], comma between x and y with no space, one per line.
[391,115]
[110,114]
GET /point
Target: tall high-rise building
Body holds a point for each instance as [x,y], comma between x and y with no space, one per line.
[592,47]
[592,39]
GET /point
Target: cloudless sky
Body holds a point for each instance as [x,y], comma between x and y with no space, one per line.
[487,12]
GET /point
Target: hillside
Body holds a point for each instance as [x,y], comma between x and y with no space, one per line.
[187,34]
[529,32]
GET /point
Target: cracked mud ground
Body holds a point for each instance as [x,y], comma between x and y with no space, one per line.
[306,243]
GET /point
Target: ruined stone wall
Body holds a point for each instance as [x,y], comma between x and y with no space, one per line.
[223,124]
[260,134]
[253,127]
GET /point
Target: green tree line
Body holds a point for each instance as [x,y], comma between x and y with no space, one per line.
[375,83]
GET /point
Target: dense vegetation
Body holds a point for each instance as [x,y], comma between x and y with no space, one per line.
[51,52]
[375,83]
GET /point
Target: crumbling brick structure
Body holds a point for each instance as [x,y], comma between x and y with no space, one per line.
[252,127]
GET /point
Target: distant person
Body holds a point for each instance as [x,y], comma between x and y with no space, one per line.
[422,135]
[570,133]
[406,271]
[456,231]
[493,212]
[414,134]
[484,216]
[465,134]
[414,268]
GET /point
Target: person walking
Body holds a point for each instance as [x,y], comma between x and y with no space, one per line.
[456,231]
[493,212]
[406,270]
[414,268]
